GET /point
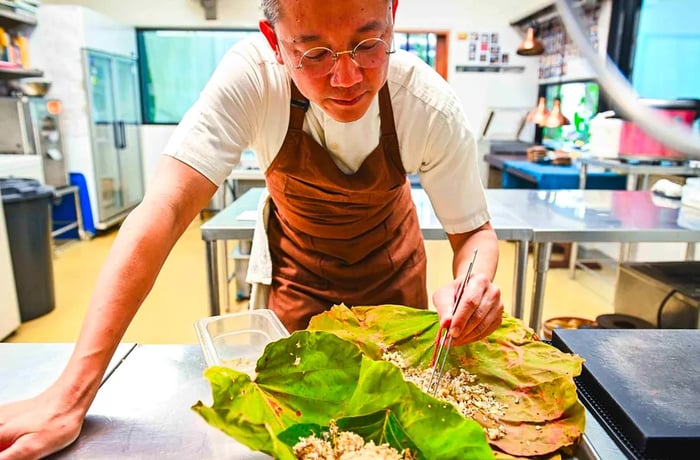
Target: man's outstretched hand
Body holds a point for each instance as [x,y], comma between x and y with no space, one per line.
[37,427]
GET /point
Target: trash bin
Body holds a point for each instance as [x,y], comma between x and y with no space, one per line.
[27,205]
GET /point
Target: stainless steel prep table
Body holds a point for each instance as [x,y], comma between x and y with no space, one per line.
[143,411]
[590,216]
[26,369]
[143,408]
[635,170]
[637,179]
[227,225]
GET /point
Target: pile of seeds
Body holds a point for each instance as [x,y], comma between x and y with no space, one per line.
[459,388]
[345,445]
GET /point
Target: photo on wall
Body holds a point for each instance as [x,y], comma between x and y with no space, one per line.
[495,55]
[472,51]
[484,47]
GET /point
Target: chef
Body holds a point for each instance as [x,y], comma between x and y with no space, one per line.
[337,118]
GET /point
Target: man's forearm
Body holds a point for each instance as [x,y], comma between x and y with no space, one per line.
[144,241]
[463,245]
[127,276]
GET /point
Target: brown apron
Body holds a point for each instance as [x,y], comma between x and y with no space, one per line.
[338,238]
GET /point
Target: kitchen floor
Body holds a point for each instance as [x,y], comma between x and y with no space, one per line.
[180,297]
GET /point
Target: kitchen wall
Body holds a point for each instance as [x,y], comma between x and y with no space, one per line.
[478,91]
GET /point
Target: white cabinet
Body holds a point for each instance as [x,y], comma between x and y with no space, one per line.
[91,61]
[9,309]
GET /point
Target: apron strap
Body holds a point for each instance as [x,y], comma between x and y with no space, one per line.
[390,140]
[385,112]
[298,106]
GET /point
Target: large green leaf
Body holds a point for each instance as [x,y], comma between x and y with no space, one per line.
[313,377]
[381,427]
[534,379]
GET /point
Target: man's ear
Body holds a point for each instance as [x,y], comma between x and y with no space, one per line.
[269,33]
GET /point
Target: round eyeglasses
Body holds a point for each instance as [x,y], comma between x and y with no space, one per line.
[368,54]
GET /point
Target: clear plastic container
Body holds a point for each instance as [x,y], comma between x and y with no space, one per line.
[690,196]
[237,340]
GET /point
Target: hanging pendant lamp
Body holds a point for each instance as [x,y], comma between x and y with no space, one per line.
[531,46]
[539,114]
[555,118]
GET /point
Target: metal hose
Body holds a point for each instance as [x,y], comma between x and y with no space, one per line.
[617,88]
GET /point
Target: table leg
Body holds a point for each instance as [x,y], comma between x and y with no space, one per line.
[224,279]
[582,176]
[82,234]
[645,182]
[633,182]
[573,257]
[212,276]
[217,275]
[543,251]
[519,279]
[628,251]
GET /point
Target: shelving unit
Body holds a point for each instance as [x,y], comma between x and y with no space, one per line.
[11,21]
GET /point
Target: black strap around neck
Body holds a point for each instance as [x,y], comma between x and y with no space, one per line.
[298,107]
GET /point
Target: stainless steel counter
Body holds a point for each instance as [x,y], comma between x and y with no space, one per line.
[590,216]
[635,171]
[143,411]
[227,225]
[143,408]
[540,216]
[26,369]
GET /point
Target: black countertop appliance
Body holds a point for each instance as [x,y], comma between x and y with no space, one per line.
[643,386]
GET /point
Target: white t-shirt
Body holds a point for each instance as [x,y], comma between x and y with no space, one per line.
[246,105]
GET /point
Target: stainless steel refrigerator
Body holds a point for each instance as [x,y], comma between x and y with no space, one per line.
[114,118]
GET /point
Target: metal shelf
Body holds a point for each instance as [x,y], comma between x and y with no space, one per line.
[544,13]
[12,19]
[490,68]
[11,74]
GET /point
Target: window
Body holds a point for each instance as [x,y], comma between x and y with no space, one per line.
[656,44]
[421,44]
[667,52]
[175,65]
[430,46]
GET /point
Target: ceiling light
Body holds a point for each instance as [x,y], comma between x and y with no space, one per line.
[531,46]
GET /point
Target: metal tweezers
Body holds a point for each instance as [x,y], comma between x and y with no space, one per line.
[441,350]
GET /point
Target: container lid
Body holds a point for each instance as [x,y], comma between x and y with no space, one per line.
[16,189]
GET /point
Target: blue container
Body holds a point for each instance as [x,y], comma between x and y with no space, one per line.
[64,210]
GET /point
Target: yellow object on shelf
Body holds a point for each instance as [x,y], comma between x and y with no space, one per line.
[23,45]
